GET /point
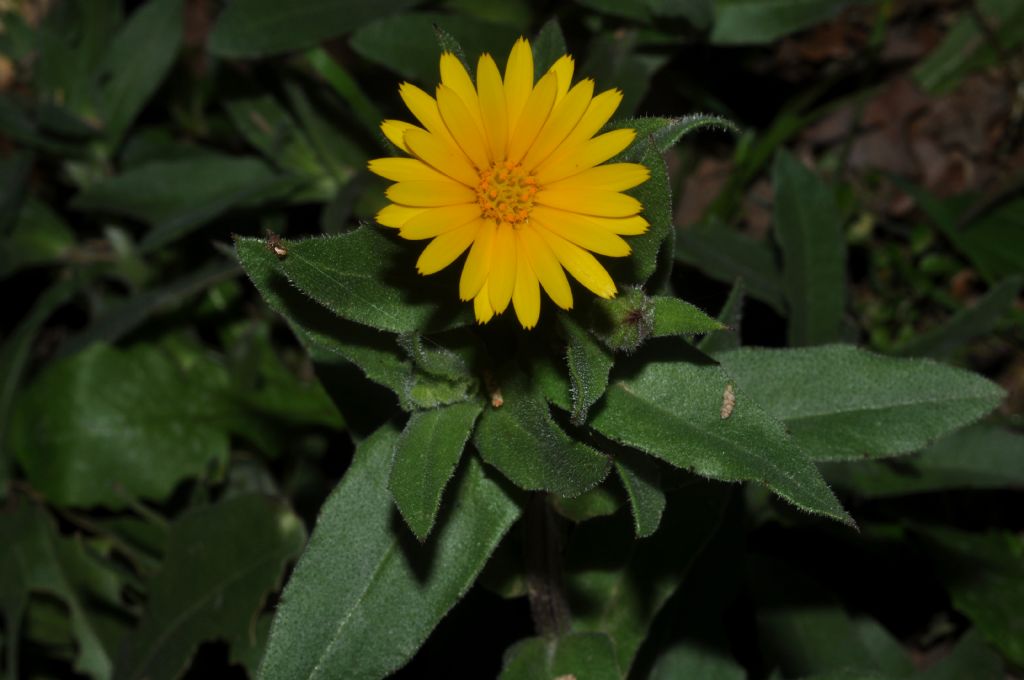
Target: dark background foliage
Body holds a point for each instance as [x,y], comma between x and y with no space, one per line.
[167,444]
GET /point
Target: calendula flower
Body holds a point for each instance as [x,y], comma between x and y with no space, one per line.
[510,169]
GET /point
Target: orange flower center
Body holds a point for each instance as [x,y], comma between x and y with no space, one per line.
[506,192]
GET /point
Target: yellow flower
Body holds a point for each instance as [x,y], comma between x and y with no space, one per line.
[510,170]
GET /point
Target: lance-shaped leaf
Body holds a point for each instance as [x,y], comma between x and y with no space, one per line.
[681,413]
[756,22]
[365,595]
[840,402]
[731,316]
[809,231]
[589,365]
[576,655]
[673,316]
[222,561]
[521,439]
[425,458]
[617,583]
[641,479]
[366,277]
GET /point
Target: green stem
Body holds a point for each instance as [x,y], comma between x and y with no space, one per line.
[544,581]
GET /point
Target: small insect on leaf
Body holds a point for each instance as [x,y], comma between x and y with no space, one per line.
[728,401]
[275,245]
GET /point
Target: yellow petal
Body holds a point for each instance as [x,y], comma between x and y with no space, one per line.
[611,177]
[526,296]
[594,118]
[535,114]
[626,226]
[425,108]
[563,69]
[445,249]
[482,305]
[503,268]
[583,266]
[518,80]
[442,156]
[429,194]
[435,221]
[546,267]
[478,263]
[453,75]
[563,119]
[577,229]
[493,106]
[397,215]
[463,128]
[404,170]
[395,131]
[586,155]
[600,203]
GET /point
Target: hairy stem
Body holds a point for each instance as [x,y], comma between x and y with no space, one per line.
[544,583]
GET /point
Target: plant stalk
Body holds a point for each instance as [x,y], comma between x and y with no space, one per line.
[544,579]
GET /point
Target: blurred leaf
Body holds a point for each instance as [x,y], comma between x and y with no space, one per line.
[340,157]
[404,43]
[809,231]
[994,243]
[106,426]
[617,583]
[758,22]
[726,255]
[361,599]
[424,460]
[176,196]
[137,61]
[327,336]
[673,316]
[971,657]
[222,562]
[14,357]
[984,573]
[577,655]
[259,28]
[698,12]
[839,402]
[39,560]
[613,61]
[589,364]
[600,501]
[369,278]
[731,316]
[637,10]
[547,47]
[966,47]
[977,457]
[39,237]
[980,319]
[365,110]
[15,171]
[646,409]
[524,443]
[641,478]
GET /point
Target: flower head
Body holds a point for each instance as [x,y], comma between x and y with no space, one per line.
[510,170]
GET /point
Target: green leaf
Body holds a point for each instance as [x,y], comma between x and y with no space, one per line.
[641,478]
[259,28]
[614,60]
[328,337]
[403,42]
[617,584]
[698,12]
[664,133]
[628,9]
[39,560]
[15,172]
[362,600]
[425,458]
[695,661]
[972,322]
[726,255]
[976,457]
[525,444]
[547,47]
[176,196]
[731,317]
[369,278]
[598,502]
[589,365]
[578,655]
[839,402]
[106,426]
[222,561]
[809,231]
[994,243]
[984,574]
[136,63]
[758,22]
[656,196]
[646,408]
[970,658]
[673,316]
[39,237]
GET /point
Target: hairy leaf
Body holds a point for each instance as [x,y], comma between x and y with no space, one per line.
[579,655]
